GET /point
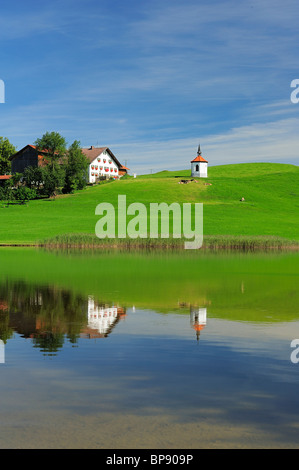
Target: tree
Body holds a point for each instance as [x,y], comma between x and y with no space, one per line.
[75,169]
[33,177]
[53,145]
[6,151]
[53,179]
[8,191]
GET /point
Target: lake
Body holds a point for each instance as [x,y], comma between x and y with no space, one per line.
[148,350]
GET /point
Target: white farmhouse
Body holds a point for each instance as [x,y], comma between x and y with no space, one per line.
[199,166]
[102,163]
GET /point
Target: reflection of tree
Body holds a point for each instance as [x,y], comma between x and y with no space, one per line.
[49,315]
[5,331]
[48,342]
[46,314]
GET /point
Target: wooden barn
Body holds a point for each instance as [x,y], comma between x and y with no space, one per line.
[27,156]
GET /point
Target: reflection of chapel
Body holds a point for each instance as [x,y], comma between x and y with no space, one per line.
[198,319]
[199,166]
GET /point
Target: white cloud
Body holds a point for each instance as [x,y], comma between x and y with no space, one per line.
[162,70]
[271,142]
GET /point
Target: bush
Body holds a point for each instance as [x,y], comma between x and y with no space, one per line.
[7,192]
[24,194]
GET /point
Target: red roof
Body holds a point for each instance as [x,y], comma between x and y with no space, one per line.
[5,177]
[92,153]
[124,167]
[40,152]
[199,158]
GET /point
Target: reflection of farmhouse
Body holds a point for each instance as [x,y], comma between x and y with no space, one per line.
[101,319]
[3,306]
[198,319]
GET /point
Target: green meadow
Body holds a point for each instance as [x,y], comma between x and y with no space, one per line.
[270,208]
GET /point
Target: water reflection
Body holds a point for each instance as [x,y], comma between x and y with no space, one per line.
[139,384]
[198,319]
[49,316]
[102,319]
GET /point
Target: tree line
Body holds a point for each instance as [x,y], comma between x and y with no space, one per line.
[64,170]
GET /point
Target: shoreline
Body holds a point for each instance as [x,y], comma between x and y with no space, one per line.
[210,243]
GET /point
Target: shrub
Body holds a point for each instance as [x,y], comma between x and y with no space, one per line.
[24,194]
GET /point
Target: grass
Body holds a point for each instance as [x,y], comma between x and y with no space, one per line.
[267,217]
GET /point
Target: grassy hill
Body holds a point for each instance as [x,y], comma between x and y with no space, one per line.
[271,206]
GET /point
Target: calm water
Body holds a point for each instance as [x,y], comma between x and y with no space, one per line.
[130,351]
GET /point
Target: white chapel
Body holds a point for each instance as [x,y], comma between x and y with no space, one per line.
[199,166]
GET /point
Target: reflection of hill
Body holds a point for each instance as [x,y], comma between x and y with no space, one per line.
[49,315]
[241,287]
[248,287]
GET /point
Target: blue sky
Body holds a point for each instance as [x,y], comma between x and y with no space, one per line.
[153,79]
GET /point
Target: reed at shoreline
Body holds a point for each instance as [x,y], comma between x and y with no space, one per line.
[210,242]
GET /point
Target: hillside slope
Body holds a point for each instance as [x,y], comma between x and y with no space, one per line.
[271,206]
